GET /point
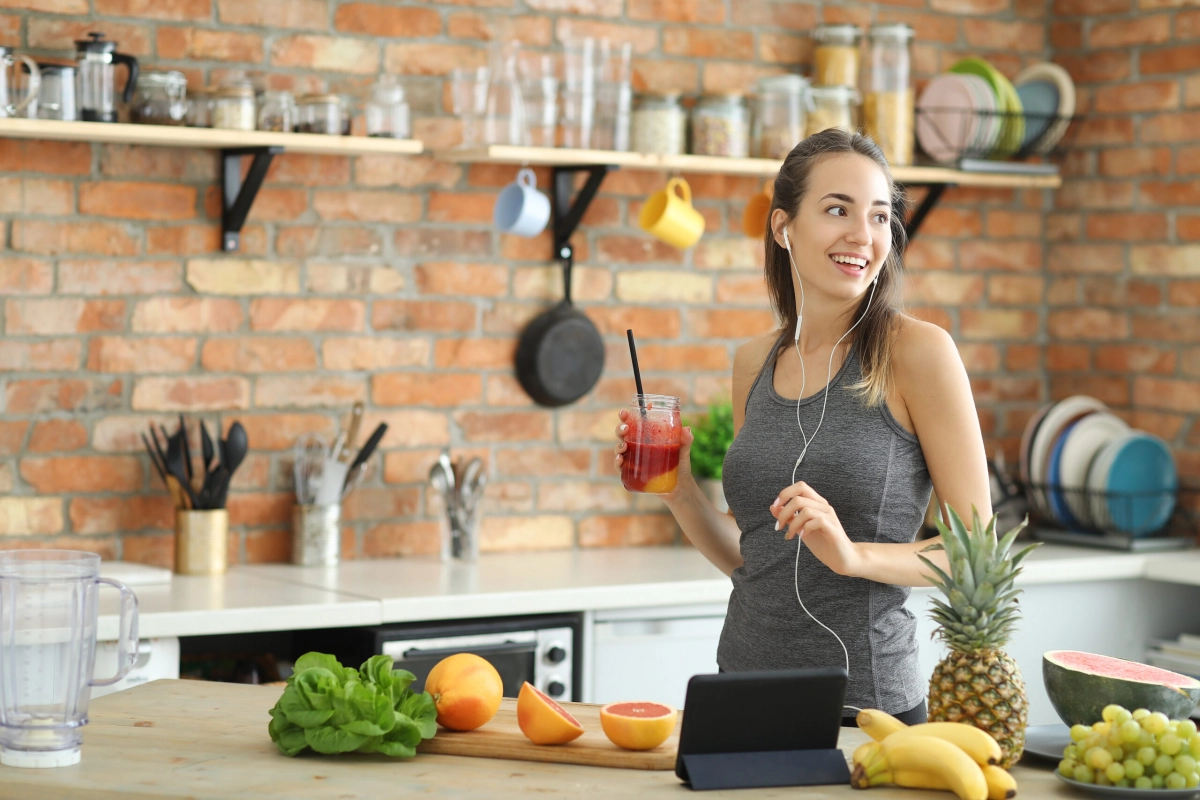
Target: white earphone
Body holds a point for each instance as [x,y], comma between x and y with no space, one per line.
[808,439]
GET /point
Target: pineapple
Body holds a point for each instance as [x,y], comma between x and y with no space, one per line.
[977,682]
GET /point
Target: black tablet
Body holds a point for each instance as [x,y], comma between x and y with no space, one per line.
[763,728]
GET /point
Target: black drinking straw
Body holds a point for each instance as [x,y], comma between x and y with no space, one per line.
[637,373]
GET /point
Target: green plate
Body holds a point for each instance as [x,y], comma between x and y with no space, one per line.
[1012,127]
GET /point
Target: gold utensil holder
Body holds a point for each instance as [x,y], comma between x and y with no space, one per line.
[316,535]
[201,541]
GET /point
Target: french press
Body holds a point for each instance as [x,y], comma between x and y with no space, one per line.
[96,58]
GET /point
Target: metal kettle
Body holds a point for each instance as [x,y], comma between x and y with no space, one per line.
[97,58]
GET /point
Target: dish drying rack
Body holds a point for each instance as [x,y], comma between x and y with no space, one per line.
[1002,156]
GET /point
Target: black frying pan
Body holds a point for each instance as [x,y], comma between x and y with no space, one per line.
[560,355]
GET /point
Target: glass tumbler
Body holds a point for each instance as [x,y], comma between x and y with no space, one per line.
[653,440]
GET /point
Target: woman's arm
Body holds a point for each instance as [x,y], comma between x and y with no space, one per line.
[932,382]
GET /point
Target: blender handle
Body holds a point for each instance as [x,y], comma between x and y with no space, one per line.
[35,80]
[127,637]
[130,82]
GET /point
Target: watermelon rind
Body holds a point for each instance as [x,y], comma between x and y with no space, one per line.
[1079,697]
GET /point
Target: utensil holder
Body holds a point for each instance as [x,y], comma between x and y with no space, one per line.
[201,541]
[459,542]
[316,535]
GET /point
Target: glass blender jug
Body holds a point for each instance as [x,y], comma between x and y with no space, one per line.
[48,618]
[96,58]
[15,93]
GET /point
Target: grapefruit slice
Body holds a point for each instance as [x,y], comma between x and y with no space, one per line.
[542,720]
[638,725]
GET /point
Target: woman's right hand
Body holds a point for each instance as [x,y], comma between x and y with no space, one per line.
[685,453]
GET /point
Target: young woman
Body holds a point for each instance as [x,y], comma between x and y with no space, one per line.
[845,418]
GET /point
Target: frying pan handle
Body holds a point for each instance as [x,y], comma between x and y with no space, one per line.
[567,262]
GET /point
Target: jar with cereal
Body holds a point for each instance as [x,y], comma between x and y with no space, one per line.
[780,115]
[720,126]
[888,100]
[835,55]
[832,107]
[233,106]
[659,125]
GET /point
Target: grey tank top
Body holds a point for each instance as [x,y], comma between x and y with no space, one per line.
[873,473]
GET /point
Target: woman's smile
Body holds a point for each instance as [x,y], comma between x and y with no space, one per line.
[851,264]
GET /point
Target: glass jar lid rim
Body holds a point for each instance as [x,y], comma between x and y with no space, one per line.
[790,81]
[838,29]
[657,398]
[891,30]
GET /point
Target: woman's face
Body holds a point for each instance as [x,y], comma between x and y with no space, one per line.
[841,233]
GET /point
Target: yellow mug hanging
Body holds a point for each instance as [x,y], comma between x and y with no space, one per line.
[668,215]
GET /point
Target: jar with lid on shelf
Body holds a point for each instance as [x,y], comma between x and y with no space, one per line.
[160,98]
[836,55]
[659,124]
[386,111]
[832,107]
[888,99]
[319,113]
[277,112]
[721,126]
[780,115]
[200,107]
[233,106]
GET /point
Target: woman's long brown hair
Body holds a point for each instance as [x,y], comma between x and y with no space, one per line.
[875,335]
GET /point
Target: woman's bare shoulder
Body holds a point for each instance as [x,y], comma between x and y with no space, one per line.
[923,350]
[751,355]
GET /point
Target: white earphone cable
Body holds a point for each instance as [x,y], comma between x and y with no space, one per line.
[808,439]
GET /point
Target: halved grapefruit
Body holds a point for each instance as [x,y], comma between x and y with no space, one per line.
[542,720]
[638,725]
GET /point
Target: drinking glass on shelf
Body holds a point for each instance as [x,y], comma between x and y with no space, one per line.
[468,96]
[579,91]
[539,91]
[504,120]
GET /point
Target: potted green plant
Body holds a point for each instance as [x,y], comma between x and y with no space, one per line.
[713,433]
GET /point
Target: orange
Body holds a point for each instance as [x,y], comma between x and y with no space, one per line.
[662,484]
[466,690]
[637,726]
[542,720]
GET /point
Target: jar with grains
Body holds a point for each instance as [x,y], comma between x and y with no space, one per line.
[277,112]
[780,115]
[888,102]
[835,55]
[160,98]
[832,107]
[233,106]
[319,113]
[720,126]
[659,125]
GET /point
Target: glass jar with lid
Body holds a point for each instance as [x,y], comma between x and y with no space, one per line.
[200,107]
[233,106]
[386,111]
[160,98]
[835,55]
[659,124]
[721,126]
[780,115]
[319,113]
[277,111]
[832,107]
[888,99]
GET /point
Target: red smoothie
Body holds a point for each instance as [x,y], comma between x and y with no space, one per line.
[651,468]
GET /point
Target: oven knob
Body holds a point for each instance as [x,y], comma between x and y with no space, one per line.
[555,688]
[556,654]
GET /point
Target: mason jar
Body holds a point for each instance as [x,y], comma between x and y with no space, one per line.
[835,55]
[659,124]
[160,98]
[319,113]
[387,112]
[277,112]
[888,100]
[653,441]
[233,107]
[780,115]
[832,107]
[200,108]
[721,126]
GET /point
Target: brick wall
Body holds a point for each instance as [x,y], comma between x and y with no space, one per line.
[381,279]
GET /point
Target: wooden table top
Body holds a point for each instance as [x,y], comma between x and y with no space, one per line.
[177,739]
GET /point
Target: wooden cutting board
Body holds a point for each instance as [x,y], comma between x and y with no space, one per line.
[502,738]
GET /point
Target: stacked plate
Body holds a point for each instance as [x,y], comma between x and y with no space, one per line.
[1087,469]
[973,110]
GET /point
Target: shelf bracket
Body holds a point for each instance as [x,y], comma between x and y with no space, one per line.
[237,194]
[927,203]
[567,214]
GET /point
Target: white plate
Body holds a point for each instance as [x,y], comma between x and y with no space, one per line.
[1031,428]
[1066,97]
[1063,413]
[945,125]
[1097,478]
[1088,436]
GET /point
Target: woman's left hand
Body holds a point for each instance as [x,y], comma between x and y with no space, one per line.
[804,513]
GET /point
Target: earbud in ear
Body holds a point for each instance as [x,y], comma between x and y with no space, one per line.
[786,243]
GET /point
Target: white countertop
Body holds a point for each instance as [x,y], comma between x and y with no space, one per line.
[285,597]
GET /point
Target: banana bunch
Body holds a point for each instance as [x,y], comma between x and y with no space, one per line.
[933,755]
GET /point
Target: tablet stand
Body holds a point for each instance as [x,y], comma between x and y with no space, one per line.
[770,768]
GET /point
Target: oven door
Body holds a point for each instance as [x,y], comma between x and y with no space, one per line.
[513,654]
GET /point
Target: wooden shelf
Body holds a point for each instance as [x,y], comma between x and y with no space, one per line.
[760,167]
[214,138]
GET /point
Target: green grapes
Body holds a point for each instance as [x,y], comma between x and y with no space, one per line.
[1131,731]
[1141,714]
[1193,780]
[1098,759]
[1170,744]
[1147,755]
[1176,781]
[1134,769]
[1080,732]
[1164,765]
[1186,729]
[1066,767]
[1084,773]
[1141,749]
[1156,723]
[1116,771]
[1144,783]
[1185,765]
[1110,712]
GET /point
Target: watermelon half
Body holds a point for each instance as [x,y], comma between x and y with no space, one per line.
[1080,685]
